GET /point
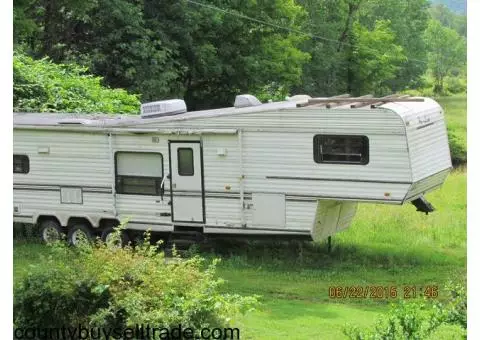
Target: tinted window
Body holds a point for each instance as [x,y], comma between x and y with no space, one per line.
[340,149]
[185,161]
[138,173]
[21,164]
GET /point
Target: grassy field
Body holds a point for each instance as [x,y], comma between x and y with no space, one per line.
[385,246]
[455,108]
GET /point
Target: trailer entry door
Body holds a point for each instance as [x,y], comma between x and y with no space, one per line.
[186,169]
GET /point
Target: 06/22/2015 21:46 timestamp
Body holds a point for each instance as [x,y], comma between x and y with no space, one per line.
[383,292]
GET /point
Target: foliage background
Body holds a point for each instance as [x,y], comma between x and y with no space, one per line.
[207,51]
[42,86]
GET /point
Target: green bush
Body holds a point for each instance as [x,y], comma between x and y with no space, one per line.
[404,321]
[422,92]
[42,86]
[458,148]
[50,299]
[418,320]
[452,84]
[454,311]
[455,84]
[271,92]
[105,286]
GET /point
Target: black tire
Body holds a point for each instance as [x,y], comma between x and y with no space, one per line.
[18,230]
[50,231]
[108,233]
[79,233]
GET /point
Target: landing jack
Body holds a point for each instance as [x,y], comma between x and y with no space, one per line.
[423,205]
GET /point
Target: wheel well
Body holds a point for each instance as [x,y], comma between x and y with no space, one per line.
[44,218]
[108,222]
[78,220]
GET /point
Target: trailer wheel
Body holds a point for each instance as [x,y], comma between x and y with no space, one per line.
[79,234]
[50,231]
[115,240]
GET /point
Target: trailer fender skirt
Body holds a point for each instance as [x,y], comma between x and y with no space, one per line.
[423,205]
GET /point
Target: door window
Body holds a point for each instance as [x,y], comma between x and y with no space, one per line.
[185,161]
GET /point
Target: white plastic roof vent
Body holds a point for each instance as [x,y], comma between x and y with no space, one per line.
[300,99]
[246,100]
[163,108]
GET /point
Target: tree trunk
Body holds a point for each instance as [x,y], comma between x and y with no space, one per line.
[347,41]
[48,28]
[352,9]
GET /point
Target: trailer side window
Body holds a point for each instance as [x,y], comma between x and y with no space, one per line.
[340,149]
[21,164]
[138,173]
[185,161]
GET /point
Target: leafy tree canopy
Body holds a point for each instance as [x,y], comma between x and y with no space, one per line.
[446,52]
[207,51]
[43,86]
[377,58]
[449,19]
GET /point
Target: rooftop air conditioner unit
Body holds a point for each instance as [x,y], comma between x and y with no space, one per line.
[163,108]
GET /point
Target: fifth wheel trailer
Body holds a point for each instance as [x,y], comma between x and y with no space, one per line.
[296,167]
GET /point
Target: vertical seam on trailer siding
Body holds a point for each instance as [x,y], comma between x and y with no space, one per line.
[241,179]
[112,174]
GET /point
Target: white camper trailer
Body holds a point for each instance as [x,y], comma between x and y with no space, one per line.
[297,167]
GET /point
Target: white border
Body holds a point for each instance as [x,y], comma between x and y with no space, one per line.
[6,249]
[473,230]
[6,203]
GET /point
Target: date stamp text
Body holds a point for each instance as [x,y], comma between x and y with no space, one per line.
[383,292]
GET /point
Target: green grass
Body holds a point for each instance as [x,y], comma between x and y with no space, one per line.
[455,108]
[385,246]
[456,116]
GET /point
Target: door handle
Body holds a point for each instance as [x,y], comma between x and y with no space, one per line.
[174,185]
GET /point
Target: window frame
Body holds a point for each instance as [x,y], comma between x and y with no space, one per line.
[25,164]
[119,178]
[178,162]
[365,156]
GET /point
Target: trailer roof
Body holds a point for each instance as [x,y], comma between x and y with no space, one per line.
[402,105]
[104,120]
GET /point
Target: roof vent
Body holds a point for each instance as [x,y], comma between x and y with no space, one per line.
[163,108]
[246,100]
[300,99]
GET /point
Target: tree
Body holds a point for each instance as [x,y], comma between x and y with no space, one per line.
[128,54]
[408,21]
[337,53]
[447,18]
[376,58]
[204,53]
[330,23]
[223,53]
[446,52]
[24,26]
